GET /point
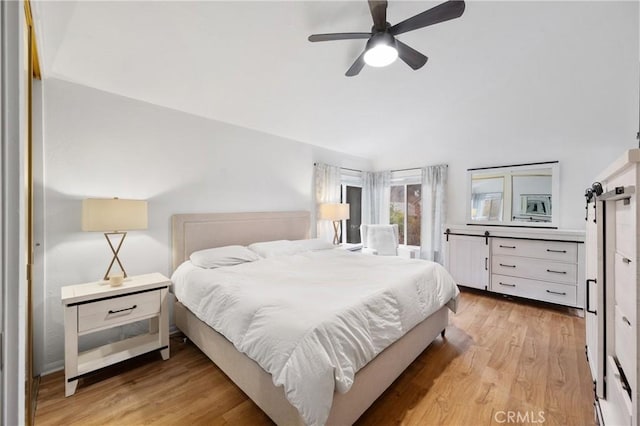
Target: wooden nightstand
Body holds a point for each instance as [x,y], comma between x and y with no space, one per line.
[97,306]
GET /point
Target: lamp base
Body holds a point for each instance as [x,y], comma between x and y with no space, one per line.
[115,252]
[336,238]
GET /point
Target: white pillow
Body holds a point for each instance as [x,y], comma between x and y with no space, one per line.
[222,256]
[312,245]
[274,248]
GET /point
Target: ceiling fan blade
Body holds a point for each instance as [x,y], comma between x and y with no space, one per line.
[338,36]
[378,10]
[357,66]
[410,56]
[443,12]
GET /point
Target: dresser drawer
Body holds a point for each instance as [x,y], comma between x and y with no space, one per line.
[549,250]
[625,285]
[621,412]
[625,228]
[533,289]
[119,310]
[536,269]
[624,337]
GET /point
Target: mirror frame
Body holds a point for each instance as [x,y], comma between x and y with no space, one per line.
[507,172]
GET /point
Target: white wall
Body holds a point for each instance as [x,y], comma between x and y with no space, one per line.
[103,145]
[572,96]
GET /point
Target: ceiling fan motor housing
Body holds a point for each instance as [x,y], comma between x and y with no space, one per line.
[381,38]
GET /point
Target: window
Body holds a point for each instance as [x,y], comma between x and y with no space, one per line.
[405,211]
[405,206]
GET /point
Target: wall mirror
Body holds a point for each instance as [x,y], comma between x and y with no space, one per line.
[523,195]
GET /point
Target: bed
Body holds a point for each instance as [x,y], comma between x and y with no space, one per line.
[193,232]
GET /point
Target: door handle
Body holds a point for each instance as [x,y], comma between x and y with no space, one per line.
[556,272]
[561,293]
[511,247]
[507,266]
[556,251]
[486,259]
[506,285]
[586,307]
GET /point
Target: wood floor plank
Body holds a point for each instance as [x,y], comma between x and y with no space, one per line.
[499,357]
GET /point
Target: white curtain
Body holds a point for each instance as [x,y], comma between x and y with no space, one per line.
[434,209]
[327,190]
[376,192]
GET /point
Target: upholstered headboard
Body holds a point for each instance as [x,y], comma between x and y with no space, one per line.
[192,232]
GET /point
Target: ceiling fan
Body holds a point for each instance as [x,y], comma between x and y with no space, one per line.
[382,47]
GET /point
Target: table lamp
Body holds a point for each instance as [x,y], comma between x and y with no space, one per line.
[114,216]
[334,212]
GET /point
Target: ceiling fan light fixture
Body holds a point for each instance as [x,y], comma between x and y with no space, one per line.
[380,55]
[381,50]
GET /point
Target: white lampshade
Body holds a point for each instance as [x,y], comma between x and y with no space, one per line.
[113,214]
[334,211]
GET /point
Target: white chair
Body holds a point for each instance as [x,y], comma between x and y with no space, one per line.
[381,240]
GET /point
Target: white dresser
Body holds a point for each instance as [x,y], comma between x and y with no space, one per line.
[611,326]
[540,264]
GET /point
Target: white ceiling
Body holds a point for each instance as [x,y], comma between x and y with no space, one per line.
[250,64]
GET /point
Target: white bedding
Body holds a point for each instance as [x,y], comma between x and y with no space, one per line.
[312,320]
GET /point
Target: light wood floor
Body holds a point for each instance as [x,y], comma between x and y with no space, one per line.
[499,356]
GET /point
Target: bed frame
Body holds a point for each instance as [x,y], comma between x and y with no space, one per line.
[193,232]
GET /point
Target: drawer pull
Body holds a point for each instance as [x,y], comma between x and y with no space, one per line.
[507,266]
[561,293]
[626,260]
[512,247]
[507,285]
[122,310]
[556,272]
[625,319]
[556,251]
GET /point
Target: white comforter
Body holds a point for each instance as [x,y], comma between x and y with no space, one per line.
[312,320]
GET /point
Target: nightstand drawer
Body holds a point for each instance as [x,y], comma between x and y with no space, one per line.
[118,310]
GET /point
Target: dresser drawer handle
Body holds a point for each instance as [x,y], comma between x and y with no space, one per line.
[507,266]
[626,260]
[507,285]
[556,251]
[122,310]
[512,247]
[561,293]
[625,319]
[556,272]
